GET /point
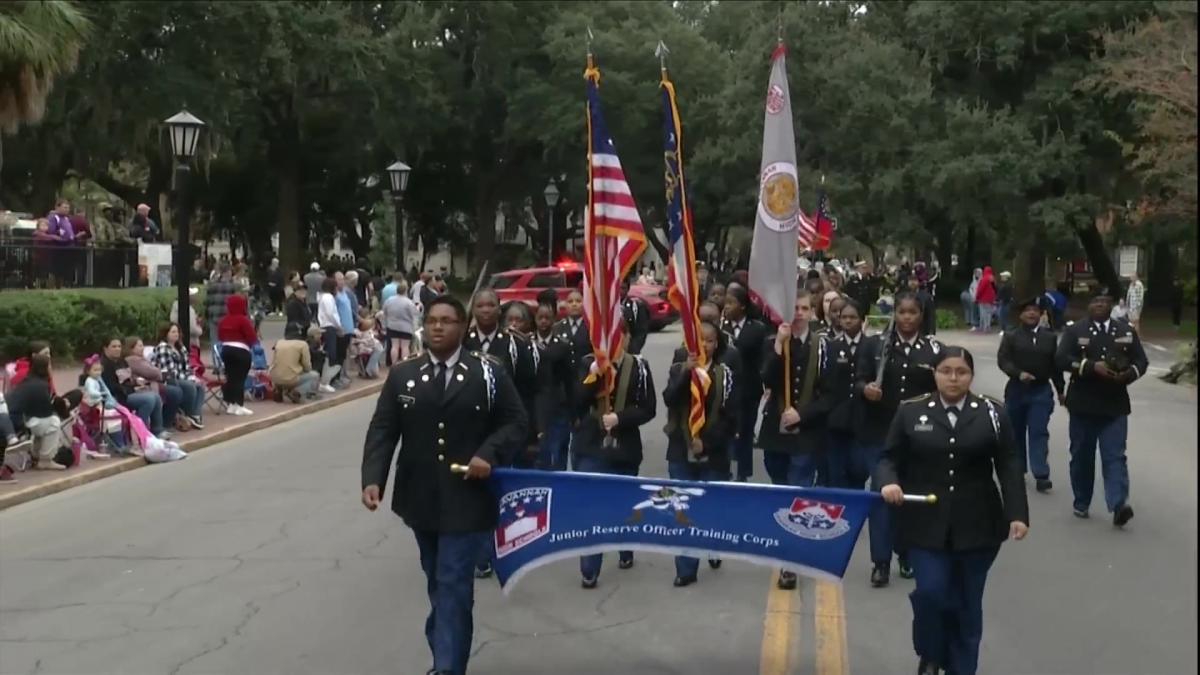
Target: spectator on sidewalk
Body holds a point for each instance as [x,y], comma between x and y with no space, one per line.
[275,283]
[19,369]
[45,261]
[292,372]
[389,289]
[364,342]
[216,297]
[142,227]
[970,313]
[237,336]
[196,328]
[8,437]
[331,329]
[1004,299]
[299,318]
[170,358]
[985,300]
[33,403]
[346,321]
[1135,299]
[156,381]
[83,229]
[316,352]
[313,282]
[400,317]
[120,381]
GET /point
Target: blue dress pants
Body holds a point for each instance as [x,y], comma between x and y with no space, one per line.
[948,606]
[447,560]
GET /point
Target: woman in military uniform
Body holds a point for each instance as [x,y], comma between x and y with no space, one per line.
[844,405]
[904,357]
[955,445]
[703,456]
[607,435]
[749,335]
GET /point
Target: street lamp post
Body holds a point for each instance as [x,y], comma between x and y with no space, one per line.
[185,130]
[398,174]
[551,194]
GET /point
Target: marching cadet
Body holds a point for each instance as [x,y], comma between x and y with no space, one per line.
[848,469]
[955,445]
[551,409]
[1104,356]
[446,406]
[1026,355]
[711,313]
[513,355]
[705,456]
[792,433]
[637,319]
[607,436]
[906,359]
[749,336]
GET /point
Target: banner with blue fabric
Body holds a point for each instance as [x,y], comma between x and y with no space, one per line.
[549,516]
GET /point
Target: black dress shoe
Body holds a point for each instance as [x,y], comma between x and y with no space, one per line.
[589,583]
[714,563]
[625,564]
[906,570]
[483,572]
[1078,513]
[1044,485]
[928,668]
[881,576]
[787,581]
[1122,515]
[680,582]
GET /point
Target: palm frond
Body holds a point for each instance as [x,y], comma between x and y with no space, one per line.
[39,41]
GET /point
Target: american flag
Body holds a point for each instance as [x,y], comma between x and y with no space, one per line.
[682,288]
[613,238]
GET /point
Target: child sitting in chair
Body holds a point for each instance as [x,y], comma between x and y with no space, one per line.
[365,343]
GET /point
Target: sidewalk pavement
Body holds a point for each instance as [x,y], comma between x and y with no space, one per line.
[217,429]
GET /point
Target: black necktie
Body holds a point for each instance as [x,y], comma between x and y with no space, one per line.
[737,330]
[439,374]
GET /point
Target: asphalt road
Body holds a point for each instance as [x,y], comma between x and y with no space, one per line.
[255,557]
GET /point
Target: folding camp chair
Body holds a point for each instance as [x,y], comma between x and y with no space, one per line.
[214,380]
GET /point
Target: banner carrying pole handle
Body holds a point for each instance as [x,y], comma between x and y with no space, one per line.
[462,468]
[914,499]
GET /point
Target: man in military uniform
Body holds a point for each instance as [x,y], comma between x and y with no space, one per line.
[515,356]
[1027,356]
[445,407]
[1104,356]
[847,468]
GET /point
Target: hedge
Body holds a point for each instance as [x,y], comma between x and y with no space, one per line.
[77,322]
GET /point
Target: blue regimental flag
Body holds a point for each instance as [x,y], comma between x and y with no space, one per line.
[547,516]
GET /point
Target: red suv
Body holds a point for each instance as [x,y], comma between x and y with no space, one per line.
[526,284]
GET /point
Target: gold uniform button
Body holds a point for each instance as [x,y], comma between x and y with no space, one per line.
[441,425]
[952,488]
[951,472]
[952,455]
[441,441]
[441,458]
[951,440]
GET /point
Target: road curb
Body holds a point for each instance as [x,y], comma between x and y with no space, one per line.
[119,466]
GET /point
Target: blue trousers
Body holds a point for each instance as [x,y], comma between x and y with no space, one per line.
[743,445]
[865,457]
[447,560]
[799,470]
[1029,407]
[845,471]
[685,566]
[147,405]
[948,606]
[1086,432]
[555,445]
[589,565]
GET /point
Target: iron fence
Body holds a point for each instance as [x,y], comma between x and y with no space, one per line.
[28,265]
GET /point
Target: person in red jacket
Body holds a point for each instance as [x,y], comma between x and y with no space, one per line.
[985,298]
[236,334]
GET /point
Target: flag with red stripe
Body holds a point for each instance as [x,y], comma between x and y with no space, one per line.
[683,289]
[613,238]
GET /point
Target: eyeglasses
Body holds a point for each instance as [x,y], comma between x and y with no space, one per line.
[442,322]
[954,373]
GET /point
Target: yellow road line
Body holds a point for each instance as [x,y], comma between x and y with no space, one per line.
[782,610]
[830,608]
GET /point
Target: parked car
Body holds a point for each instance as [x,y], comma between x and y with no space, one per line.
[526,284]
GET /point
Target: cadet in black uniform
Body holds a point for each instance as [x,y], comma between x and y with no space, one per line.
[1104,356]
[1026,355]
[955,445]
[847,468]
[572,333]
[611,442]
[552,411]
[908,372]
[791,435]
[712,313]
[749,336]
[445,406]
[637,319]
[705,456]
[515,357]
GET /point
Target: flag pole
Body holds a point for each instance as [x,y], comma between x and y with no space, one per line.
[787,345]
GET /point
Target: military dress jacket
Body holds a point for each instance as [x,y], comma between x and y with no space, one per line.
[519,359]
[907,373]
[555,376]
[637,319]
[841,386]
[749,344]
[1033,351]
[640,407]
[810,434]
[1081,346]
[721,407]
[475,413]
[960,463]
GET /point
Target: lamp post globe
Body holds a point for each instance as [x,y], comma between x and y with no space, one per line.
[184,130]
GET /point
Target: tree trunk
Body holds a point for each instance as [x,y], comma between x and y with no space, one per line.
[1097,255]
[1029,274]
[1160,273]
[966,265]
[485,231]
[288,212]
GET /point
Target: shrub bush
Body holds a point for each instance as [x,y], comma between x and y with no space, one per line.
[76,321]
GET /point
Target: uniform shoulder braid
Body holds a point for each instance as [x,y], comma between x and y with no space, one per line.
[486,357]
[916,399]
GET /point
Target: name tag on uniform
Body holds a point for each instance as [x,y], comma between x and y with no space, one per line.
[1125,340]
[405,399]
[1083,342]
[923,427]
[926,366]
